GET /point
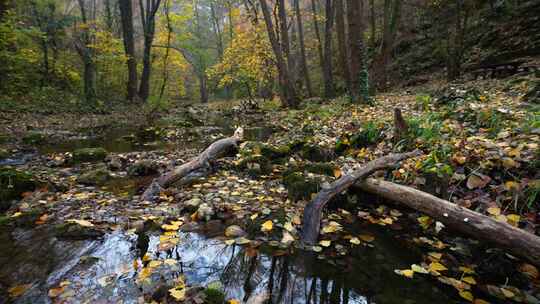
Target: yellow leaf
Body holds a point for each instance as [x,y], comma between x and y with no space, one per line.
[355,241]
[466,269]
[18,290]
[332,227]
[419,269]
[267,226]
[178,293]
[337,173]
[325,243]
[55,292]
[425,221]
[16,214]
[469,280]
[366,237]
[83,223]
[435,266]
[405,272]
[494,211]
[154,264]
[467,295]
[513,219]
[435,255]
[170,262]
[233,301]
[387,221]
[317,248]
[507,293]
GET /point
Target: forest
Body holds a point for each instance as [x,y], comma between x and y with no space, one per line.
[270,151]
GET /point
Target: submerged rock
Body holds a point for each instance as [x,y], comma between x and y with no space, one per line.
[301,187]
[94,177]
[205,212]
[234,231]
[143,168]
[13,183]
[89,155]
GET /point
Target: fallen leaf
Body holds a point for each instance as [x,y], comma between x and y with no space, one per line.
[494,211]
[83,223]
[477,181]
[419,269]
[469,280]
[55,292]
[366,237]
[467,295]
[436,267]
[355,241]
[17,291]
[325,243]
[406,273]
[267,226]
[178,294]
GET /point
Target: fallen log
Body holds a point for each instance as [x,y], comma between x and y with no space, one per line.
[517,241]
[313,211]
[197,167]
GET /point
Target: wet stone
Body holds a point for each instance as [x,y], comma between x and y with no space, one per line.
[89,155]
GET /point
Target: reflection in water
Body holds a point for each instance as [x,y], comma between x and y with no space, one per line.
[104,271]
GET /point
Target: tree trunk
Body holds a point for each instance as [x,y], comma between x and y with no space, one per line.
[203,89]
[317,34]
[392,12]
[313,211]
[87,56]
[373,38]
[342,46]
[126,15]
[300,26]
[287,89]
[198,166]
[148,15]
[359,76]
[517,241]
[328,78]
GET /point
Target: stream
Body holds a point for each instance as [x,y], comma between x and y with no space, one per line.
[108,269]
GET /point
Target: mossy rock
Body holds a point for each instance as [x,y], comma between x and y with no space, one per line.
[4,138]
[300,187]
[4,153]
[214,295]
[13,183]
[143,168]
[34,138]
[256,165]
[89,155]
[94,177]
[74,231]
[273,153]
[316,153]
[321,168]
[28,218]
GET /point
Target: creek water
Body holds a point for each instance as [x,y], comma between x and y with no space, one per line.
[106,270]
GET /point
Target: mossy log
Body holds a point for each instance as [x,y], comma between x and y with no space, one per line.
[517,241]
[313,211]
[197,166]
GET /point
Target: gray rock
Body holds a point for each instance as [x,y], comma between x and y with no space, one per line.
[234,231]
[205,212]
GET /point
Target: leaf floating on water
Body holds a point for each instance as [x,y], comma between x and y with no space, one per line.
[469,280]
[173,226]
[467,295]
[17,291]
[83,223]
[55,292]
[233,301]
[355,241]
[436,267]
[178,294]
[366,237]
[405,272]
[419,269]
[267,226]
[325,243]
[507,293]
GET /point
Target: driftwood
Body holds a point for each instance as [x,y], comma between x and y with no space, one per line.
[517,241]
[313,211]
[197,167]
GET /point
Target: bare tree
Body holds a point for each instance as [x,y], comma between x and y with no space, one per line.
[148,16]
[126,15]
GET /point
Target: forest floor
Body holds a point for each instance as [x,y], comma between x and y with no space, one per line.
[481,151]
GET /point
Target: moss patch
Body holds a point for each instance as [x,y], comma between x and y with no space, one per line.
[300,187]
[213,296]
[316,153]
[13,183]
[255,165]
[34,138]
[98,176]
[89,155]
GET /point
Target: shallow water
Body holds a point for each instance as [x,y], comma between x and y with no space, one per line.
[103,271]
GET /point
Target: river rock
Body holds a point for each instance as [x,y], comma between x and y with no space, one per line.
[234,231]
[89,155]
[4,153]
[94,177]
[115,163]
[143,168]
[12,184]
[33,138]
[192,204]
[205,212]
